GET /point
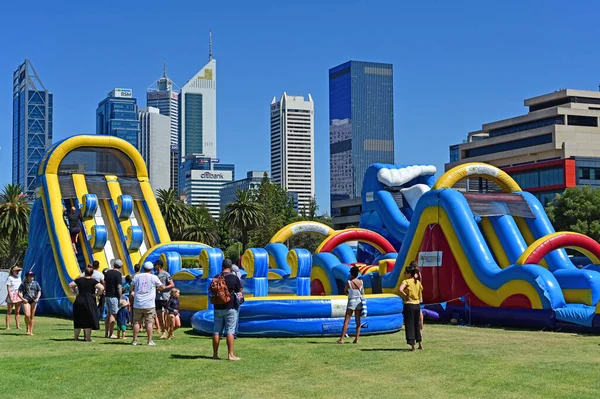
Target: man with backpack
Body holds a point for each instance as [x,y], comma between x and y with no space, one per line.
[222,289]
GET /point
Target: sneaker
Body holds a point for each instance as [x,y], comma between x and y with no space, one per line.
[134,343]
[151,343]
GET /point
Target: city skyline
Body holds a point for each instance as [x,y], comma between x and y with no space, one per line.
[451,75]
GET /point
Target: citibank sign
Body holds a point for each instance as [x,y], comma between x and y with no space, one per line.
[214,176]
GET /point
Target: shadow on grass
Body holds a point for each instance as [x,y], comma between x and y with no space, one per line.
[64,340]
[190,357]
[385,349]
[119,342]
[14,333]
[325,342]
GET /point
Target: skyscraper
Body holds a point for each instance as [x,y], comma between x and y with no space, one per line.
[164,95]
[32,125]
[117,115]
[292,146]
[198,114]
[154,139]
[361,124]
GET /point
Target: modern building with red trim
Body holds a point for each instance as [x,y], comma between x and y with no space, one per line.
[553,147]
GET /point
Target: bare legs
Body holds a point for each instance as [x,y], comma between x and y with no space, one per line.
[136,331]
[17,307]
[29,310]
[161,317]
[358,326]
[76,333]
[109,326]
[174,324]
[230,343]
[345,328]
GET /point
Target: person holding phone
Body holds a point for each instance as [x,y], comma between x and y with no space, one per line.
[411,291]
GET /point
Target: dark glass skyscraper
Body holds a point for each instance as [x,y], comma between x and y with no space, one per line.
[32,125]
[117,115]
[361,123]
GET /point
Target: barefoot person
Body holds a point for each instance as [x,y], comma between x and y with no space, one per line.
[225,314]
[113,280]
[355,291]
[75,220]
[173,321]
[13,300]
[85,312]
[411,292]
[162,297]
[30,293]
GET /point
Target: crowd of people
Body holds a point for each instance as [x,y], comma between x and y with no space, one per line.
[148,299]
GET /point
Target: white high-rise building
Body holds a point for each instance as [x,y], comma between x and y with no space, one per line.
[164,95]
[198,114]
[292,146]
[154,138]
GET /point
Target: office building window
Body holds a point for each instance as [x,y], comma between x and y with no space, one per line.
[521,127]
[454,153]
[540,178]
[578,120]
[510,145]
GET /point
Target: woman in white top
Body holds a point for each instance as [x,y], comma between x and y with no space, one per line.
[355,290]
[13,299]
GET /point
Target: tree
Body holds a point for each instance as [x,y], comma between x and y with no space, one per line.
[200,226]
[173,210]
[309,241]
[277,211]
[14,223]
[244,214]
[578,210]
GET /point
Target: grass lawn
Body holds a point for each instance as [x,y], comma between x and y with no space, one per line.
[459,362]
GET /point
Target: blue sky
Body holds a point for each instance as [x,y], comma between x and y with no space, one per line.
[456,64]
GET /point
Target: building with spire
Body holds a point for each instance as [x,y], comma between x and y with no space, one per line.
[198,112]
[32,125]
[163,94]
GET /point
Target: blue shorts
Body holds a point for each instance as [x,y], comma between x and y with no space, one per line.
[112,305]
[225,321]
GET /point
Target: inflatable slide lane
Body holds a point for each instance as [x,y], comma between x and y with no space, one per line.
[497,257]
[106,180]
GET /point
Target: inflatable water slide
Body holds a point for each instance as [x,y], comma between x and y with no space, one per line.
[493,255]
[291,292]
[107,180]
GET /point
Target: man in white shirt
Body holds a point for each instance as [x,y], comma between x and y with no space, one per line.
[143,288]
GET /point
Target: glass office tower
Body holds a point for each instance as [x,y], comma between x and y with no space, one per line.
[32,125]
[117,115]
[361,124]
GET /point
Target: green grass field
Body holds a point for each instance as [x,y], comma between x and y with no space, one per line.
[459,362]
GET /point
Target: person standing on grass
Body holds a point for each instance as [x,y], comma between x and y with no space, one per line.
[30,293]
[355,291]
[144,287]
[173,319]
[12,298]
[225,314]
[113,282]
[411,291]
[122,318]
[99,277]
[85,311]
[162,297]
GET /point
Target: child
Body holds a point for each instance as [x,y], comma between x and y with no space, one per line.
[122,318]
[173,312]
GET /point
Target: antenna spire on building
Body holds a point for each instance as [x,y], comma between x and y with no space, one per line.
[209,45]
[164,68]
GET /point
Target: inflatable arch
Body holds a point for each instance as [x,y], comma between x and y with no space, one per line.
[476,169]
[543,246]
[301,227]
[355,234]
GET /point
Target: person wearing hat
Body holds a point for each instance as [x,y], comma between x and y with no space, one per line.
[144,287]
[113,283]
[162,297]
[13,299]
[30,293]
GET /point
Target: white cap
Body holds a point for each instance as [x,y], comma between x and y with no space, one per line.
[118,263]
[148,266]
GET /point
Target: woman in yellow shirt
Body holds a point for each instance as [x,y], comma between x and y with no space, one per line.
[411,291]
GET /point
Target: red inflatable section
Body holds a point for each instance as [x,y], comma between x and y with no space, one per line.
[367,236]
[563,240]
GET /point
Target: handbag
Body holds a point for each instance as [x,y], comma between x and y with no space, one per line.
[363,302]
[238,299]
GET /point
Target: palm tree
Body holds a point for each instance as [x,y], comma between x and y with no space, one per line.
[200,226]
[173,211]
[14,213]
[244,214]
